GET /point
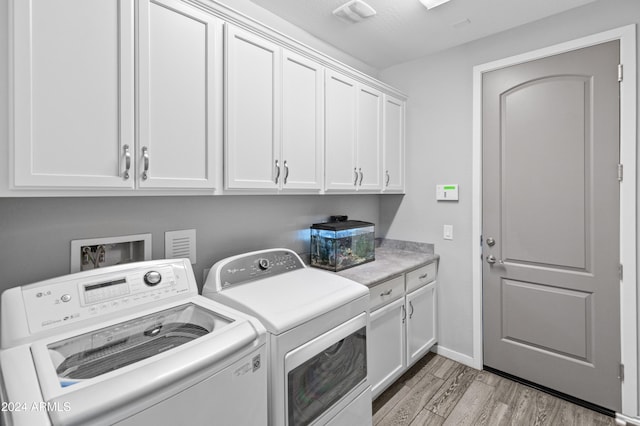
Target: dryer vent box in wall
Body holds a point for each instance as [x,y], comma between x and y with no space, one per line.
[92,253]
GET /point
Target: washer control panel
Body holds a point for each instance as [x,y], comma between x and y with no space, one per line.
[258,265]
[80,296]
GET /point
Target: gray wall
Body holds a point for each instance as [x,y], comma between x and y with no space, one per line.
[35,233]
[439,138]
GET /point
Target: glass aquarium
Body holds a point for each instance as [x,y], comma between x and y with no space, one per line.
[340,245]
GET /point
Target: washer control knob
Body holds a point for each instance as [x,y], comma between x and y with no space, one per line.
[264,264]
[65,297]
[152,278]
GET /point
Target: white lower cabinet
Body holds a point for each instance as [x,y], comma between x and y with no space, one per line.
[387,350]
[421,322]
[402,325]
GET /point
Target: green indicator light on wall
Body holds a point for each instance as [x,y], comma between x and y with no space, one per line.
[447,192]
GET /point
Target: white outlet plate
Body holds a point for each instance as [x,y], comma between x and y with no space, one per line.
[447,232]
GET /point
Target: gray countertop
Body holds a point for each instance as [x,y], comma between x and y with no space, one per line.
[393,258]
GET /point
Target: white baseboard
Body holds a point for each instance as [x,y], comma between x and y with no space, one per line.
[621,419]
[457,356]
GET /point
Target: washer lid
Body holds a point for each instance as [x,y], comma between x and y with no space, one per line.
[287,300]
[92,354]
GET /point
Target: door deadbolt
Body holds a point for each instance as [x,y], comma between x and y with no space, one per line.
[491,242]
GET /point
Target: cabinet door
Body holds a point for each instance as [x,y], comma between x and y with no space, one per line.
[386,357]
[369,139]
[302,123]
[421,322]
[393,157]
[73,94]
[180,95]
[252,111]
[340,132]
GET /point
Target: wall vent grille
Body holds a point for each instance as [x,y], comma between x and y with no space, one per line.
[180,244]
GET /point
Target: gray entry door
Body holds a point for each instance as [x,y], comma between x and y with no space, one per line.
[551,297]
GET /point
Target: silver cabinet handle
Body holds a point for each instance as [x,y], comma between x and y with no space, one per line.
[286,172]
[145,158]
[355,172]
[361,175]
[404,314]
[411,306]
[277,171]
[422,277]
[388,178]
[127,161]
[386,293]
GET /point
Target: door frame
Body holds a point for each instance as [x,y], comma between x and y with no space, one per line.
[628,235]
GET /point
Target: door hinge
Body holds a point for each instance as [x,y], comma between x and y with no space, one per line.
[620,271]
[619,73]
[620,170]
[621,372]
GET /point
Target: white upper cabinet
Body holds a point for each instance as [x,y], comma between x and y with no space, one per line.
[353,129]
[340,132]
[369,139]
[165,97]
[252,111]
[73,93]
[393,158]
[302,123]
[75,80]
[274,116]
[180,95]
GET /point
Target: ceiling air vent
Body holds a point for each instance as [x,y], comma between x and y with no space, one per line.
[354,11]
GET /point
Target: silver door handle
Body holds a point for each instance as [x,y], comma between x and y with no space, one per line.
[386,293]
[361,175]
[404,314]
[491,259]
[388,178]
[286,172]
[355,172]
[145,158]
[127,161]
[277,171]
[411,306]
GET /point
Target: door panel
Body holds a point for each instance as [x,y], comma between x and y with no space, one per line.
[393,144]
[551,205]
[549,161]
[302,142]
[252,111]
[369,138]
[73,93]
[340,132]
[177,86]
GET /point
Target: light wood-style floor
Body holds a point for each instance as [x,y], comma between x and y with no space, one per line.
[439,391]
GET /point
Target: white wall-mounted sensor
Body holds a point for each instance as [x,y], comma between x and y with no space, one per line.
[447,192]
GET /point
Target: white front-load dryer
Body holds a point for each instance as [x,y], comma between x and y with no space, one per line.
[131,344]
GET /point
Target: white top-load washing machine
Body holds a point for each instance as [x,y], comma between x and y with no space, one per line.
[132,344]
[317,326]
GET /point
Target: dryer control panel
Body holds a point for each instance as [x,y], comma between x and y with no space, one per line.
[256,265]
[84,295]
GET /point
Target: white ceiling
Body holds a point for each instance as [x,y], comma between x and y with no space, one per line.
[404,30]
